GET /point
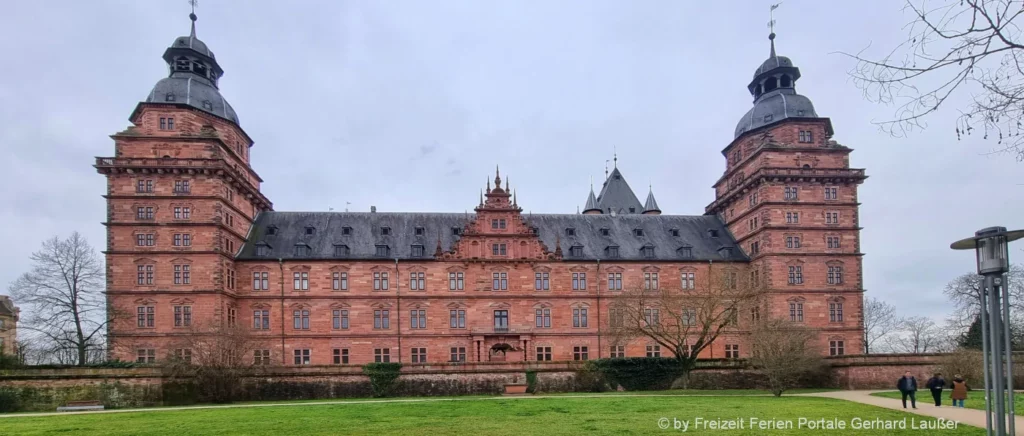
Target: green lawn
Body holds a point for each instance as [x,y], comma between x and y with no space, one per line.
[563,415]
[975,399]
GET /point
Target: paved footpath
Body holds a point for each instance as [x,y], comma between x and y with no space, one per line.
[925,406]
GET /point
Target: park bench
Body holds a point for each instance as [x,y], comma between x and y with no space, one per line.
[78,406]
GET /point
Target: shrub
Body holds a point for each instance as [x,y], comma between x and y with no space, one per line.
[383,377]
[640,373]
[9,400]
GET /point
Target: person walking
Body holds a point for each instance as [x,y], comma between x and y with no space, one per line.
[908,387]
[936,384]
[959,391]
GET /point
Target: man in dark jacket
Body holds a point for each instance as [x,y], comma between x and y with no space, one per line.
[908,387]
[935,384]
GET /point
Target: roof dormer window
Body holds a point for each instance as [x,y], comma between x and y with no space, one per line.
[605,232]
[346,231]
[685,251]
[456,231]
[419,231]
[638,232]
[383,251]
[713,233]
[647,252]
[570,231]
[385,231]
[302,250]
[310,231]
[725,251]
[169,96]
[271,231]
[674,232]
[340,250]
[262,249]
[576,251]
[612,251]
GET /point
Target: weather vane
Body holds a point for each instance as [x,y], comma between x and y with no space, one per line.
[194,3]
[771,17]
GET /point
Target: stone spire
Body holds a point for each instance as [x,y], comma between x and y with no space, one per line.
[651,206]
[591,207]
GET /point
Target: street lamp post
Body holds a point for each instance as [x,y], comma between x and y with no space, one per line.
[993,256]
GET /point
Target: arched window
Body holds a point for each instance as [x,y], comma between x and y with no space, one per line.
[182,64]
[786,82]
[770,84]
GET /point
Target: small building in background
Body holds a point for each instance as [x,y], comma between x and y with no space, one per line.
[8,324]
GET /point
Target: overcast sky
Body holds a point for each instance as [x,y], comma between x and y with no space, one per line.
[408,106]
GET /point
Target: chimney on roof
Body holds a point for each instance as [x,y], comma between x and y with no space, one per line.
[373,209]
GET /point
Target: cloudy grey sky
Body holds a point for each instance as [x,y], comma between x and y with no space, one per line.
[408,105]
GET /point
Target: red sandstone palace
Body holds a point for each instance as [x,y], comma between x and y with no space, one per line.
[192,240]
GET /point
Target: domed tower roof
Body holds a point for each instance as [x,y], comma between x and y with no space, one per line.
[775,97]
[194,73]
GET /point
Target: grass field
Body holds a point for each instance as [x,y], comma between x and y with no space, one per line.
[559,415]
[975,399]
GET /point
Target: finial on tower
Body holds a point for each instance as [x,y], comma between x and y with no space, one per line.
[192,16]
[606,169]
[514,201]
[771,26]
[615,157]
[497,177]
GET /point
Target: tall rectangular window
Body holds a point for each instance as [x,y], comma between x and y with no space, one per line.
[650,281]
[380,281]
[836,348]
[300,319]
[792,242]
[339,281]
[835,275]
[456,281]
[145,274]
[796,311]
[182,212]
[339,319]
[417,281]
[418,319]
[458,354]
[261,319]
[182,186]
[146,316]
[541,281]
[499,249]
[382,355]
[579,317]
[302,357]
[651,317]
[144,212]
[791,193]
[182,316]
[832,242]
[614,281]
[654,351]
[419,355]
[457,318]
[261,357]
[341,356]
[166,123]
[543,354]
[806,136]
[144,186]
[579,281]
[688,280]
[732,351]
[792,217]
[689,317]
[381,319]
[832,218]
[831,193]
[543,318]
[580,353]
[499,281]
[835,312]
[300,281]
[615,317]
[182,274]
[145,239]
[796,275]
[147,355]
[260,281]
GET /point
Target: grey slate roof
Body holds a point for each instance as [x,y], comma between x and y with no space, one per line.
[616,196]
[188,87]
[776,104]
[651,205]
[7,306]
[656,231]
[591,201]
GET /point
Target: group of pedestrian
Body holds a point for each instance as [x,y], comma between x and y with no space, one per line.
[908,388]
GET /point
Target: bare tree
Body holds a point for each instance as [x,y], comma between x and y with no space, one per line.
[686,321]
[879,321]
[62,297]
[970,46]
[215,357]
[917,334]
[782,351]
